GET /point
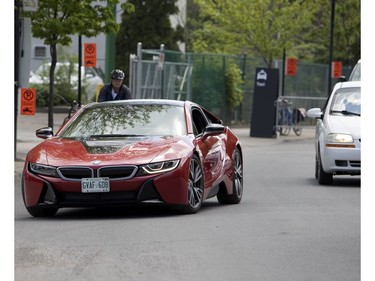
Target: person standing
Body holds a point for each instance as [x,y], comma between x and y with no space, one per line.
[115,90]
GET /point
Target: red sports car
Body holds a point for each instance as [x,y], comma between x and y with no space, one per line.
[134,151]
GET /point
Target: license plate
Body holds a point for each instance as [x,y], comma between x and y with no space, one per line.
[95,185]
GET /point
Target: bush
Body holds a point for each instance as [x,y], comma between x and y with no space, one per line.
[63,94]
[234,85]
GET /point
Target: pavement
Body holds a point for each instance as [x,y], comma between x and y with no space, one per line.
[28,124]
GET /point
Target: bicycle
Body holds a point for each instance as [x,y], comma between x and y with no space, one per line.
[73,109]
[289,117]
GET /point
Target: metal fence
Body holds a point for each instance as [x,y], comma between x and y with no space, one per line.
[201,78]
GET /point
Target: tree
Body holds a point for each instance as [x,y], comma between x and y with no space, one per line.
[259,27]
[56,21]
[264,28]
[313,42]
[149,24]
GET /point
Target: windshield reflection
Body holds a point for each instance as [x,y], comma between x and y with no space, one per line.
[127,120]
[347,101]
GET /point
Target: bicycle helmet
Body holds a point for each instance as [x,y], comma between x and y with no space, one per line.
[117,74]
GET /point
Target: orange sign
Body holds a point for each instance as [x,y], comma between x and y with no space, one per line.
[291,66]
[336,69]
[28,101]
[89,59]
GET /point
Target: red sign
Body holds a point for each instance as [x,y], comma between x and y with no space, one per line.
[336,69]
[28,101]
[291,66]
[89,59]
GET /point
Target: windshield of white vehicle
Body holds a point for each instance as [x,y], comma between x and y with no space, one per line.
[346,101]
[115,120]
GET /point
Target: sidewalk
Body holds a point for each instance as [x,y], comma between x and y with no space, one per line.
[26,127]
[28,124]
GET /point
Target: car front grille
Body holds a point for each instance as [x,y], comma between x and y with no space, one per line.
[117,172]
[75,173]
[112,172]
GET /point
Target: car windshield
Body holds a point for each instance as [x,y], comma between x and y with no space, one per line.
[119,120]
[347,101]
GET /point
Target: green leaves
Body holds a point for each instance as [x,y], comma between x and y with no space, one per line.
[55,21]
[265,27]
[233,85]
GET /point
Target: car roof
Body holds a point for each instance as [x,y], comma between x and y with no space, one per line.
[350,84]
[143,101]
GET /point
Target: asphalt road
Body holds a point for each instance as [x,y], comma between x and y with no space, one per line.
[287,227]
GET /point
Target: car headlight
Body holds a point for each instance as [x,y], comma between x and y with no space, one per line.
[340,140]
[43,170]
[158,167]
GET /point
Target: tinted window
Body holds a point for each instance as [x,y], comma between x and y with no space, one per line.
[199,121]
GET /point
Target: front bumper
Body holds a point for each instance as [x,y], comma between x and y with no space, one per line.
[169,188]
[345,161]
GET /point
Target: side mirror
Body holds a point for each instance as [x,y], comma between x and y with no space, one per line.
[342,79]
[314,113]
[44,133]
[213,129]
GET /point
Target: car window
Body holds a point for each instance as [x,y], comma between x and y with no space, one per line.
[128,120]
[345,101]
[199,121]
[356,73]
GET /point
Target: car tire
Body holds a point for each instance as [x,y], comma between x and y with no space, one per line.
[195,187]
[223,197]
[323,177]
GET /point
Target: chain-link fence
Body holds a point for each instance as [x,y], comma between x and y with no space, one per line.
[201,78]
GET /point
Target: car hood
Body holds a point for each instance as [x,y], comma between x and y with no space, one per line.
[126,151]
[346,125]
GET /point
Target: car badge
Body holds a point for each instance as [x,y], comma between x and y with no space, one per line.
[96,162]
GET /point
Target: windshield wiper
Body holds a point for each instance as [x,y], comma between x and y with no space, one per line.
[345,112]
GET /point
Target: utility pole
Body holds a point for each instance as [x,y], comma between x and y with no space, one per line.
[331,47]
[16,68]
